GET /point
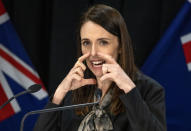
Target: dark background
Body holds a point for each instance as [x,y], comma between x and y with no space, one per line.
[47,29]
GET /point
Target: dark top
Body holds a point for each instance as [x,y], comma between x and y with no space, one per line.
[145,111]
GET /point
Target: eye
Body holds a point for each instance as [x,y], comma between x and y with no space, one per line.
[85,43]
[103,42]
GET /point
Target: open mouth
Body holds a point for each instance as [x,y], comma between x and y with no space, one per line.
[97,63]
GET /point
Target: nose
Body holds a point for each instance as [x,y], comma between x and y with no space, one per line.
[93,51]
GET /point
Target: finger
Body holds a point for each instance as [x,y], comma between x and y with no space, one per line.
[109,68]
[88,82]
[83,57]
[80,64]
[76,77]
[108,58]
[108,76]
[79,71]
[104,70]
[80,61]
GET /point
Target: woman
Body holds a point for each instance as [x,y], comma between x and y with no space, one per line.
[130,101]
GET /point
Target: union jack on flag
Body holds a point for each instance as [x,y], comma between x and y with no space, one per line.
[186,45]
[16,75]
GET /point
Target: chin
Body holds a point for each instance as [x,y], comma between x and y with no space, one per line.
[98,74]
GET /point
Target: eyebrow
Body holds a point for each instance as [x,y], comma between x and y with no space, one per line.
[104,38]
[84,39]
[97,39]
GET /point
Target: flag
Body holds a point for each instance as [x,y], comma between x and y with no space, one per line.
[16,75]
[170,64]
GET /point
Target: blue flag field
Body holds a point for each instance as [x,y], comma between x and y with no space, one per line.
[170,64]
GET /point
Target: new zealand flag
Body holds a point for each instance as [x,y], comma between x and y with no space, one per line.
[16,75]
[170,64]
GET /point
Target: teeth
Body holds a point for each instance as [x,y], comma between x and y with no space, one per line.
[97,62]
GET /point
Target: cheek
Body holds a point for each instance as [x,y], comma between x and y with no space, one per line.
[113,52]
[84,51]
[88,64]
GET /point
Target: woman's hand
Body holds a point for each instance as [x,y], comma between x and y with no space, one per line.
[74,80]
[113,72]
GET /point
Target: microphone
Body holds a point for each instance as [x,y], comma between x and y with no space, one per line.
[32,89]
[98,96]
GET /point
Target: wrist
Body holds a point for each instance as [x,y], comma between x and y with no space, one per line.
[56,101]
[58,97]
[127,88]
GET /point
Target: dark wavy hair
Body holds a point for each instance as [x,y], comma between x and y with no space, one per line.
[112,21]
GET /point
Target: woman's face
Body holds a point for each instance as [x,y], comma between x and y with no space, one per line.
[94,39]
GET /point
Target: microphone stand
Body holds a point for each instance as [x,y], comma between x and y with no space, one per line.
[32,89]
[21,93]
[54,109]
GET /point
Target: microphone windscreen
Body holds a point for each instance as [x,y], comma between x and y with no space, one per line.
[34,88]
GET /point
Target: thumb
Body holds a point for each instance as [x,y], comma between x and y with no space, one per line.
[88,82]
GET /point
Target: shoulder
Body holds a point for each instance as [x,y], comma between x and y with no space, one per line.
[148,87]
[145,80]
